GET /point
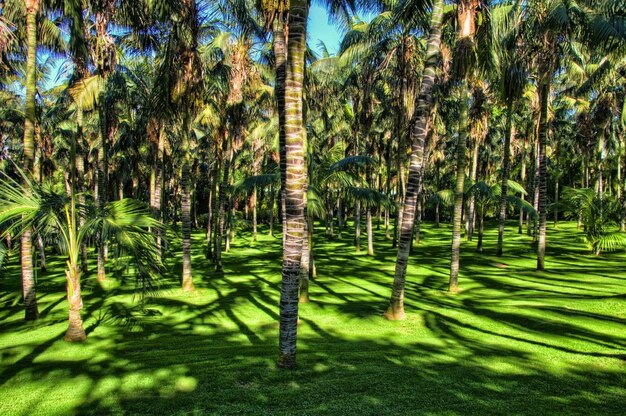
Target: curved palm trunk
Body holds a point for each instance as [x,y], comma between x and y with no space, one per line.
[543,174]
[295,184]
[28,276]
[396,304]
[505,176]
[453,285]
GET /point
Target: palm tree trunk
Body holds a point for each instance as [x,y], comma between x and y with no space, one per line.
[536,181]
[272,203]
[254,217]
[471,217]
[101,184]
[295,184]
[543,172]
[209,227]
[75,331]
[187,278]
[481,222]
[28,276]
[80,187]
[280,67]
[370,232]
[505,175]
[396,303]
[357,225]
[458,190]
[155,200]
[523,180]
[306,263]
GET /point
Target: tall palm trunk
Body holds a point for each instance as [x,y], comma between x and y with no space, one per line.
[187,278]
[471,217]
[505,175]
[75,331]
[543,171]
[466,20]
[523,181]
[280,67]
[28,276]
[396,304]
[295,183]
[458,190]
[357,225]
[155,200]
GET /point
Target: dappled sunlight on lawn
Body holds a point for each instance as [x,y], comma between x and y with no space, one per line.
[513,341]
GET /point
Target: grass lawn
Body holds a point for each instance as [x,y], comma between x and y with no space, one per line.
[513,341]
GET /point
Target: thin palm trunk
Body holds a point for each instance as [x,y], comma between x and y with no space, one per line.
[295,184]
[523,180]
[481,223]
[185,182]
[458,190]
[543,172]
[28,276]
[357,225]
[471,217]
[253,201]
[370,231]
[505,175]
[75,331]
[396,304]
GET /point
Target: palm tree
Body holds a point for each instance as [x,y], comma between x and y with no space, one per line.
[396,304]
[125,223]
[512,81]
[295,183]
[464,57]
[28,278]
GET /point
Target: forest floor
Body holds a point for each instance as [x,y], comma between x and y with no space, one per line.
[514,341]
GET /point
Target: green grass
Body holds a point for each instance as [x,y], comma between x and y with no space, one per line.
[513,341]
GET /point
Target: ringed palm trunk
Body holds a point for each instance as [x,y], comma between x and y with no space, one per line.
[28,276]
[505,176]
[396,304]
[295,184]
[543,173]
[187,278]
[280,67]
[458,191]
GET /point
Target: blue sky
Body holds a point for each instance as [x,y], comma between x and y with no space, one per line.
[320,29]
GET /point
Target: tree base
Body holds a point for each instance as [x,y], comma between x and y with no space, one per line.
[395,313]
[75,334]
[286,361]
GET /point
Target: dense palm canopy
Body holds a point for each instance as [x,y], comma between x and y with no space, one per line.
[127,125]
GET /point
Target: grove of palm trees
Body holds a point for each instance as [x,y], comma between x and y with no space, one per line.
[204,209]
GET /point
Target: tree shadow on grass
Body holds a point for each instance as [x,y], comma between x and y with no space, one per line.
[505,345]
